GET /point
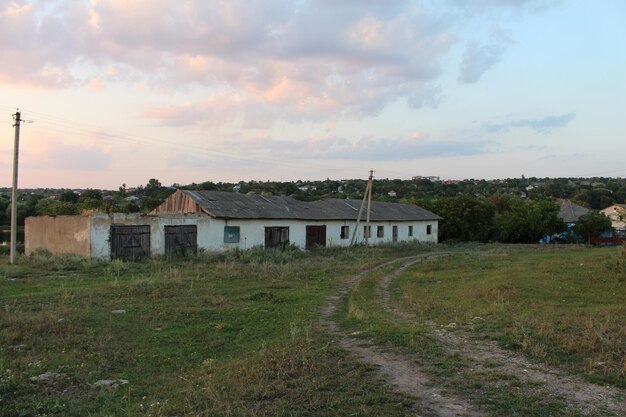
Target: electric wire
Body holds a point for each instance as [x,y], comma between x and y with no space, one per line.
[64,125]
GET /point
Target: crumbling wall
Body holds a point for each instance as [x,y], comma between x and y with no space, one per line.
[58,234]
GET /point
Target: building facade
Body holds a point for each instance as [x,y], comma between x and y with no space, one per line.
[189,221]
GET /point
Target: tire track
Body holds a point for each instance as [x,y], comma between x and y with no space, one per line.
[399,370]
[580,395]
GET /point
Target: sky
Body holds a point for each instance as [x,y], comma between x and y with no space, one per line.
[117,92]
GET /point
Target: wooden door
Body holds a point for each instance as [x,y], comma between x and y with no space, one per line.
[130,242]
[315,236]
[181,240]
[394,233]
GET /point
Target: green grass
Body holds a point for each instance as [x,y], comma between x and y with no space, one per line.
[563,306]
[232,334]
[237,334]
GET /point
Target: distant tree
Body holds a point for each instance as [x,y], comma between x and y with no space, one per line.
[207,185]
[153,187]
[121,192]
[464,218]
[24,209]
[596,199]
[48,207]
[149,203]
[129,207]
[91,194]
[4,205]
[592,223]
[92,200]
[528,221]
[69,196]
[501,202]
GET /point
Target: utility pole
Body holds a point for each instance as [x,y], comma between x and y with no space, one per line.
[367,196]
[16,146]
[369,206]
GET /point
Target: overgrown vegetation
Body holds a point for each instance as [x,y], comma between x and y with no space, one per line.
[559,306]
[237,333]
[563,307]
[222,334]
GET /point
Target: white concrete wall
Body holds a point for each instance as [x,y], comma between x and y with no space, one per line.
[101,229]
[251,232]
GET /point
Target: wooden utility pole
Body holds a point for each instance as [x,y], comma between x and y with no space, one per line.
[16,147]
[367,196]
[369,207]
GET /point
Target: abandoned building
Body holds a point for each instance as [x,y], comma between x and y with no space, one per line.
[189,221]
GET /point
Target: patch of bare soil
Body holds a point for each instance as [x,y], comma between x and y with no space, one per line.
[485,356]
[399,370]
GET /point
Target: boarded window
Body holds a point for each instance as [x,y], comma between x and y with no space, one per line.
[429,229]
[276,237]
[181,240]
[130,242]
[345,232]
[231,234]
[410,231]
[367,231]
[380,231]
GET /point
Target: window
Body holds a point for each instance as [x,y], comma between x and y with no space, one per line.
[410,231]
[429,229]
[231,234]
[380,231]
[345,232]
[276,237]
[367,231]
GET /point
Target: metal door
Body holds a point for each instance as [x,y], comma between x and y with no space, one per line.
[130,242]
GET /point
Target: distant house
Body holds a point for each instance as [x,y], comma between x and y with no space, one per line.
[617,214]
[570,212]
[188,221]
[392,194]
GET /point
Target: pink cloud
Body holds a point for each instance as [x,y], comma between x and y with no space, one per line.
[54,154]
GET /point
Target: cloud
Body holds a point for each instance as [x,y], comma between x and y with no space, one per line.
[257,62]
[544,125]
[513,6]
[477,60]
[418,146]
[366,56]
[407,149]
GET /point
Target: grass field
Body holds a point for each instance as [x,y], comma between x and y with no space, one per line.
[232,334]
[563,307]
[237,334]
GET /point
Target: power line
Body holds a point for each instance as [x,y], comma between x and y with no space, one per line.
[68,126]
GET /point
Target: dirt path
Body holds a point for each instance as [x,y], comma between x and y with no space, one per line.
[487,357]
[399,370]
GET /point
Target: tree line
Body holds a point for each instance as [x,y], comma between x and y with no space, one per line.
[517,210]
[508,219]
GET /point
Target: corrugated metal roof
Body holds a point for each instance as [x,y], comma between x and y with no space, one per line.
[228,205]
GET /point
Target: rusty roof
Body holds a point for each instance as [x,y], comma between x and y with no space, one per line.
[229,205]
